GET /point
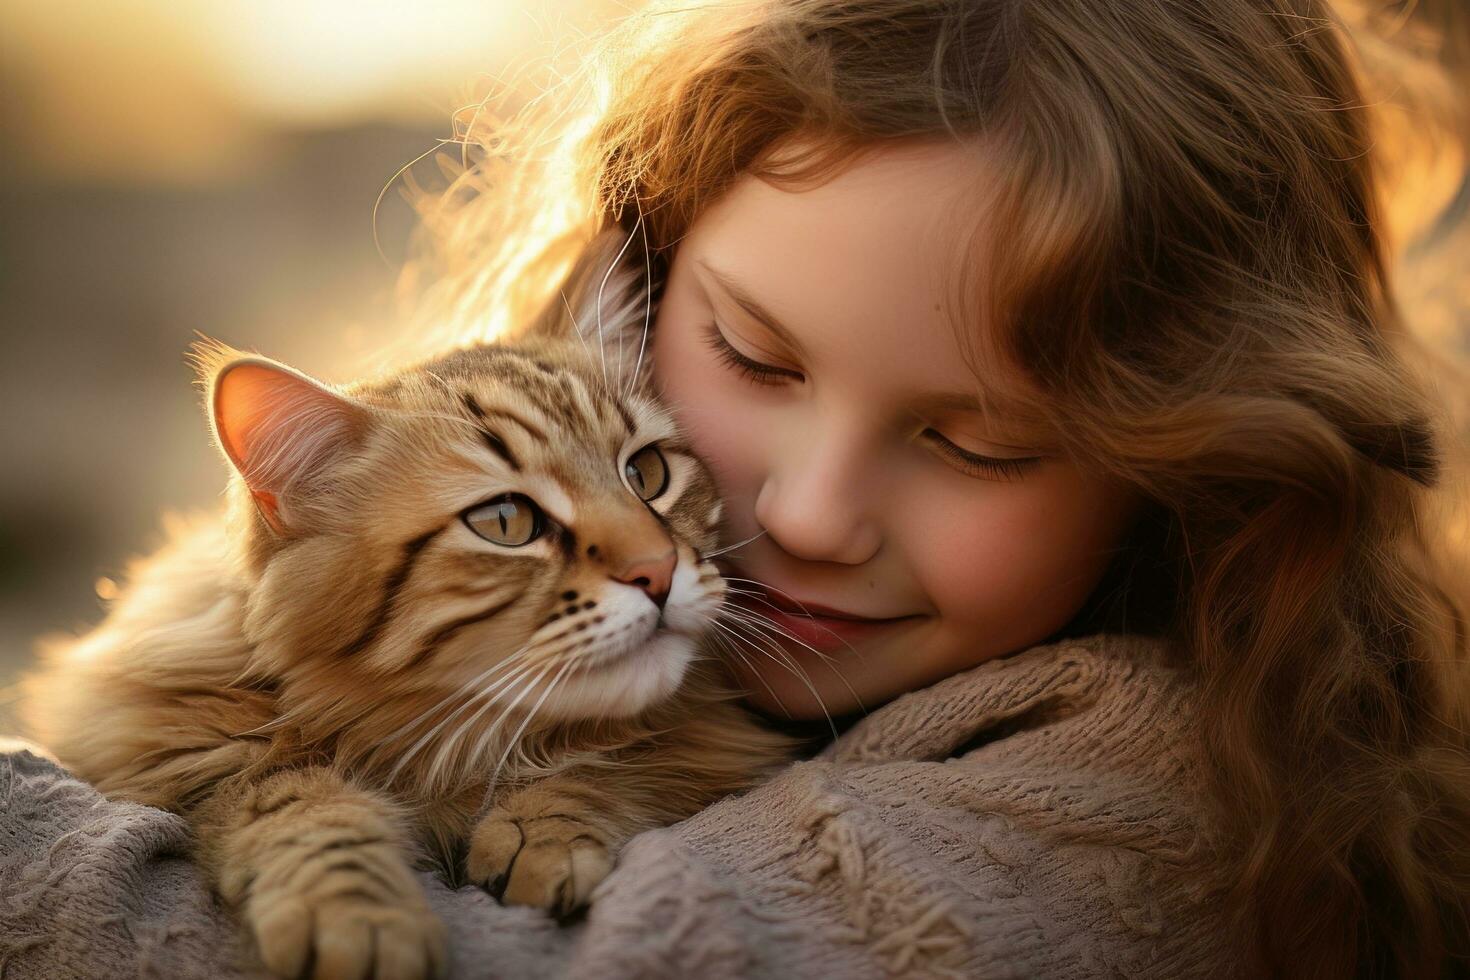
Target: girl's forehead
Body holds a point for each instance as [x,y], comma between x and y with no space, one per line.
[863,277]
[879,208]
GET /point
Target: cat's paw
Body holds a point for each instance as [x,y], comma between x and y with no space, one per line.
[352,916]
[550,861]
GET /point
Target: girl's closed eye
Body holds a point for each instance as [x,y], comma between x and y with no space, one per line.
[757,372]
[979,465]
[967,462]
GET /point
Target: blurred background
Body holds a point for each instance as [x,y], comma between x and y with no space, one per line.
[209,166]
[217,166]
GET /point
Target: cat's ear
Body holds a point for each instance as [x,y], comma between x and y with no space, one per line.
[279,428]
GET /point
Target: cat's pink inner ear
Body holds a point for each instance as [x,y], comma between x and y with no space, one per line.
[278,427]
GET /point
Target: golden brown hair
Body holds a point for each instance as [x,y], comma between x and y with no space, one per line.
[1195,289]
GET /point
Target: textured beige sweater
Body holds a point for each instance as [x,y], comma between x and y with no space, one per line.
[1037,816]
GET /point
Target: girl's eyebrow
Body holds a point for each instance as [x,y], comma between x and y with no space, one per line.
[750,305]
[990,405]
[953,401]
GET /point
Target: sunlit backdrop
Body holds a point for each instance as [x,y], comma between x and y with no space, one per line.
[208,166]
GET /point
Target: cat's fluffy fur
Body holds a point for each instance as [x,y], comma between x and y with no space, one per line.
[325,680]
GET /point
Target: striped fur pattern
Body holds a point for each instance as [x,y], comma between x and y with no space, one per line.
[341,680]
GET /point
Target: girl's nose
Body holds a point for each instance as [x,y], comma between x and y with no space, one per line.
[815,505]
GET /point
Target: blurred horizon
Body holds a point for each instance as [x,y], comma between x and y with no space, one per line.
[212,91]
[214,167]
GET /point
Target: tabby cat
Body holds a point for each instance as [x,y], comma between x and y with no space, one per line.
[450,619]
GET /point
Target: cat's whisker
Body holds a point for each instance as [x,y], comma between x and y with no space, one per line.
[739,614]
[733,636]
[442,417]
[569,638]
[516,738]
[764,646]
[407,757]
[755,620]
[725,645]
[760,644]
[442,383]
[517,685]
[766,589]
[770,588]
[428,736]
[484,741]
[767,625]
[796,669]
[277,722]
[647,298]
[601,341]
[369,707]
[576,327]
[476,681]
[761,598]
[742,544]
[764,618]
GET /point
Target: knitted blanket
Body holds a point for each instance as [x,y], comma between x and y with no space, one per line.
[1037,816]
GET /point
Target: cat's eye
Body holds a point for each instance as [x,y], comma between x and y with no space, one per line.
[647,473]
[512,520]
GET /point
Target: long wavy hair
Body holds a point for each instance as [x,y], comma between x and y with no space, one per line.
[1196,288]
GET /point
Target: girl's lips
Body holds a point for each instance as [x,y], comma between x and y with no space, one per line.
[800,607]
[820,627]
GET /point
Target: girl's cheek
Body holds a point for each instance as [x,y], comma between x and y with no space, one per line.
[722,430]
[716,415]
[1014,558]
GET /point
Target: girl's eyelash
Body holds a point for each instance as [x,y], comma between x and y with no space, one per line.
[752,370]
[977,465]
[766,374]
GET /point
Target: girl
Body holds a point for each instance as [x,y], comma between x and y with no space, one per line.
[1003,322]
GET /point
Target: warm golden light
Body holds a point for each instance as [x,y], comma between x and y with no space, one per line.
[333,61]
[125,90]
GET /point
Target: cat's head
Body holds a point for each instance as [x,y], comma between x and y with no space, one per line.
[501,514]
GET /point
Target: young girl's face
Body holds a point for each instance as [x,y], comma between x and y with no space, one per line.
[803,342]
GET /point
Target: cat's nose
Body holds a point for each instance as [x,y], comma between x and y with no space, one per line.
[653,575]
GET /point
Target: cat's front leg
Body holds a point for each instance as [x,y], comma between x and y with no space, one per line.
[549,845]
[321,873]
